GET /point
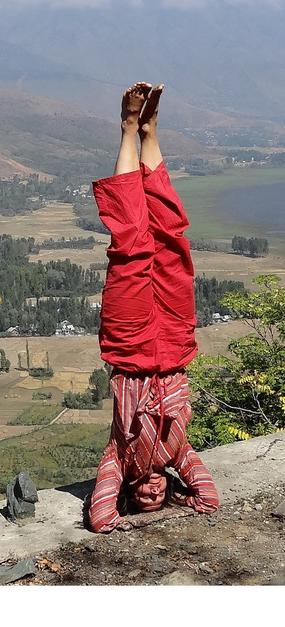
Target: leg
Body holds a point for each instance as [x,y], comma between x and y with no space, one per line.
[129,325]
[173,272]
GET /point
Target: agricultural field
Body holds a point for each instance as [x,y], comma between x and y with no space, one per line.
[237,268]
[53,455]
[82,257]
[55,220]
[89,416]
[73,359]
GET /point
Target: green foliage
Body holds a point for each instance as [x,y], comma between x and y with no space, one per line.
[78,400]
[41,373]
[53,455]
[99,380]
[4,362]
[245,391]
[42,396]
[64,283]
[254,247]
[208,295]
[40,415]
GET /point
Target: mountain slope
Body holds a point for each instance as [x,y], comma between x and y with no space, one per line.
[60,139]
[227,58]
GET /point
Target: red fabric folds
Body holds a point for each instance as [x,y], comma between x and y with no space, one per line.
[148,312]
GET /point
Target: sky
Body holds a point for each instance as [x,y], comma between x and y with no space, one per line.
[179,4]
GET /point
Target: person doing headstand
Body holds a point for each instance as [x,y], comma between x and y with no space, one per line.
[147,327]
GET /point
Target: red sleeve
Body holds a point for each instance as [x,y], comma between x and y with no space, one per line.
[103,514]
[203,496]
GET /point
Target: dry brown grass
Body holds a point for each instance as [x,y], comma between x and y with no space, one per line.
[56,220]
[63,381]
[65,353]
[73,359]
[214,340]
[81,257]
[89,416]
[9,167]
[235,267]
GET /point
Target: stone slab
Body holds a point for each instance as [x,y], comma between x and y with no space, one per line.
[241,470]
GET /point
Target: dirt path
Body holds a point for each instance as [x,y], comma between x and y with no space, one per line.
[240,545]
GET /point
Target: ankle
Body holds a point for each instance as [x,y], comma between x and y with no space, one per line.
[129,127]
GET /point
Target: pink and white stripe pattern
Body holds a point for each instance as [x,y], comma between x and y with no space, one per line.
[149,433]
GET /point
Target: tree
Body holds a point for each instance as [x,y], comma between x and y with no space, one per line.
[243,395]
[4,362]
[99,380]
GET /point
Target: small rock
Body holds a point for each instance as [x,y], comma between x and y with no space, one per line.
[134,574]
[9,573]
[206,569]
[161,547]
[278,580]
[21,497]
[246,507]
[279,512]
[181,578]
[237,515]
[258,507]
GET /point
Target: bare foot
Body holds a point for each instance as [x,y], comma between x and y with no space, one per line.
[149,112]
[132,103]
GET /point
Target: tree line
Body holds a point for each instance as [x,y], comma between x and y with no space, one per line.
[15,193]
[61,283]
[254,246]
[208,296]
[75,243]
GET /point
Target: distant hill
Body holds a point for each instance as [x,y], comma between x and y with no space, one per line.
[44,135]
[219,62]
[219,57]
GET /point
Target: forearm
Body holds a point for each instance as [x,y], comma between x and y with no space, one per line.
[202,494]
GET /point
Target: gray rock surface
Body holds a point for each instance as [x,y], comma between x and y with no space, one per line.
[21,497]
[8,573]
[181,578]
[279,512]
[241,471]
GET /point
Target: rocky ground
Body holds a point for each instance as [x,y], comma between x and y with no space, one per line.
[242,544]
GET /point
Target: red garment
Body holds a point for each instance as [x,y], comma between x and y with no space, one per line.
[147,333]
[135,450]
[148,311]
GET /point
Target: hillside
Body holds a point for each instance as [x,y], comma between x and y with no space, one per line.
[222,57]
[42,134]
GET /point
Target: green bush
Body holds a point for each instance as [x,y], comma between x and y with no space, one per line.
[40,415]
[41,373]
[243,395]
[42,396]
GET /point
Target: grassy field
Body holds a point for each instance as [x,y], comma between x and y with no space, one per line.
[237,268]
[55,220]
[81,257]
[200,196]
[53,455]
[37,415]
